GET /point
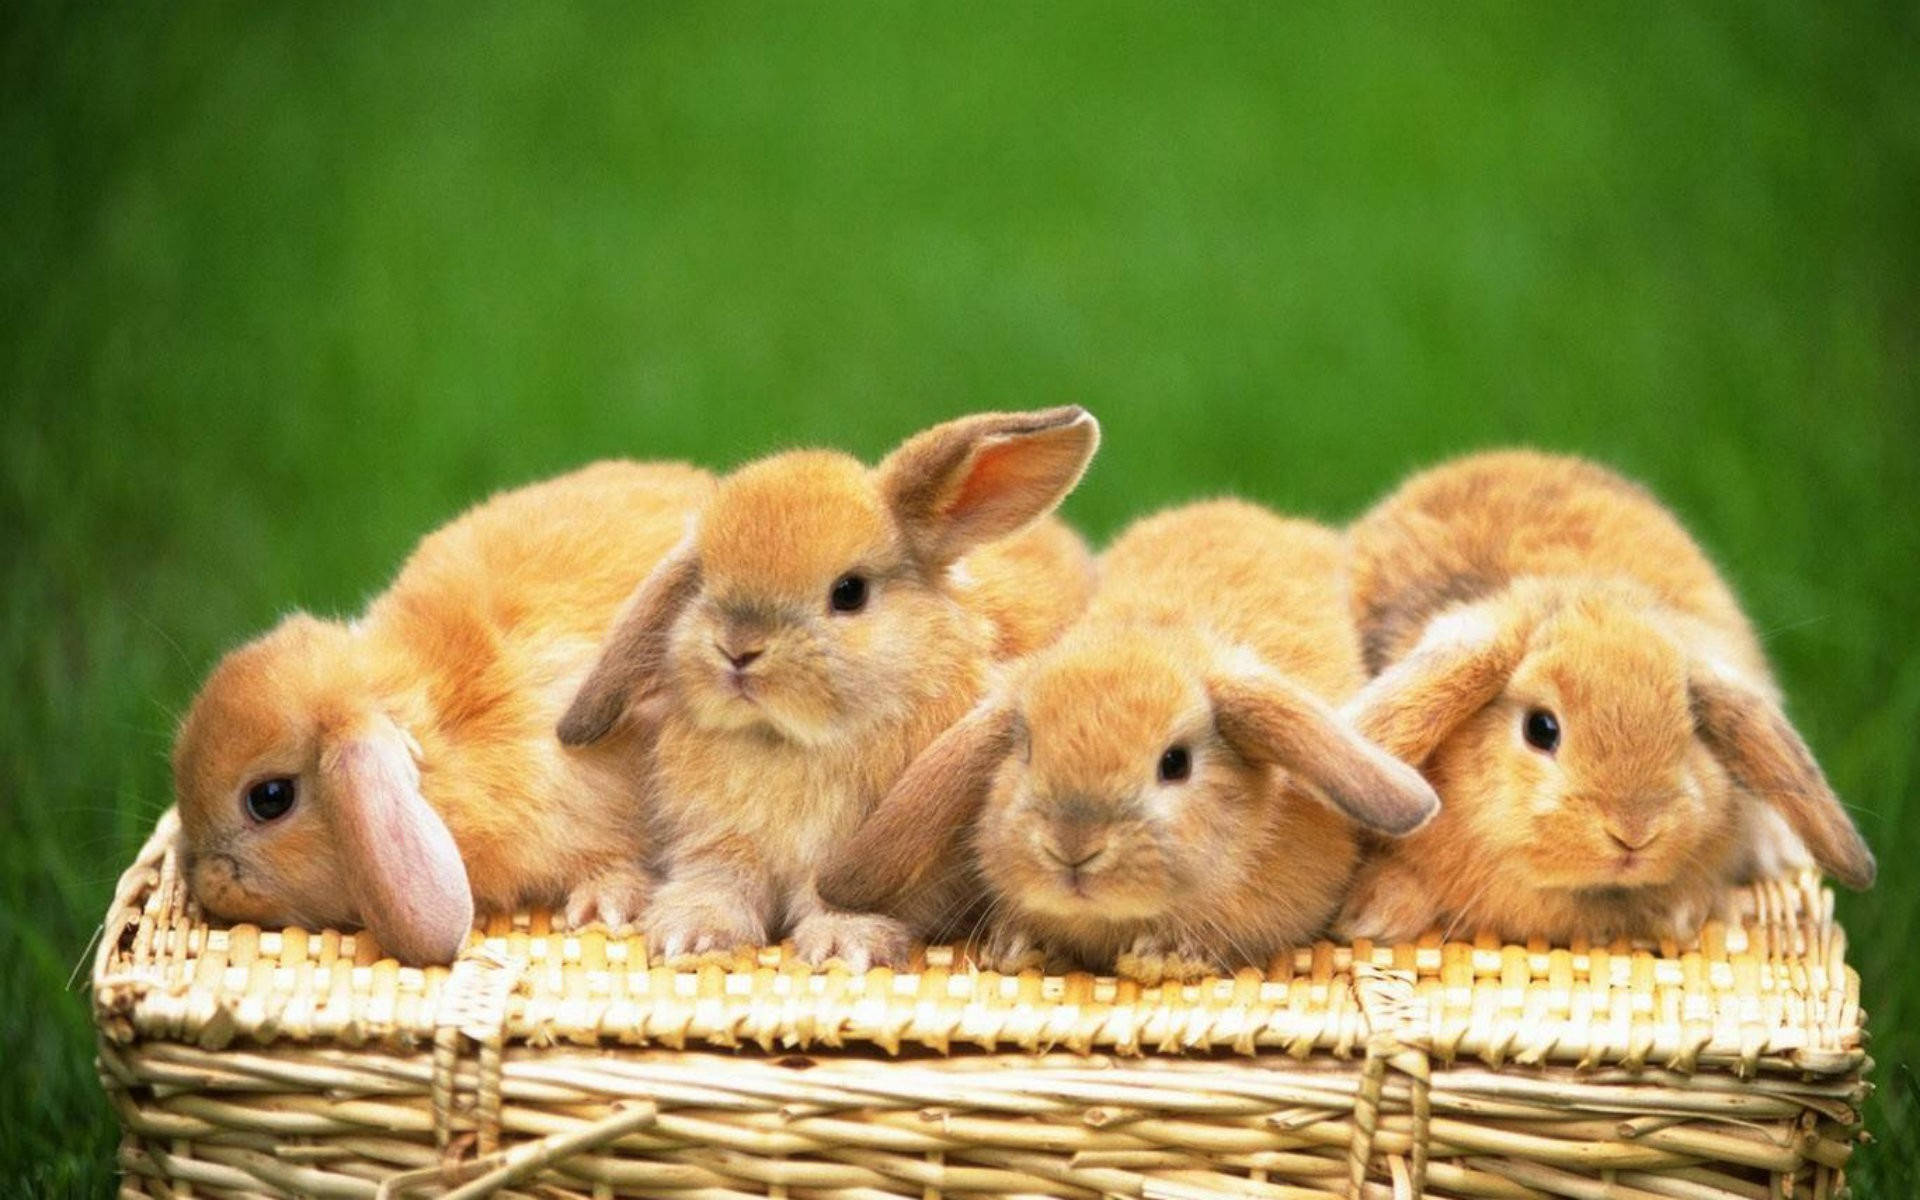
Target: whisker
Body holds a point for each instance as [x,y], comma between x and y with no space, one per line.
[1767,634]
[1465,910]
[169,639]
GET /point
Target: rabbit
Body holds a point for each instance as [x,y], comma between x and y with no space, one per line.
[1167,790]
[822,623]
[1579,684]
[399,771]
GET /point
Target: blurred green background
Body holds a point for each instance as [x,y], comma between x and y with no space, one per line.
[284,290]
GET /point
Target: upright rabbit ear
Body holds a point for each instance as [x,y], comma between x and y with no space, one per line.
[913,831]
[1746,730]
[1268,719]
[983,477]
[1459,666]
[401,865]
[636,650]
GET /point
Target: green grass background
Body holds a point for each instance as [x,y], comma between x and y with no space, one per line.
[281,291]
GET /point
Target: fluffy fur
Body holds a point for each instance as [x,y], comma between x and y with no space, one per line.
[427,725]
[783,720]
[1218,632]
[1508,583]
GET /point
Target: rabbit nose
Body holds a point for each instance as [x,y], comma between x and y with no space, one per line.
[1076,848]
[739,658]
[1633,835]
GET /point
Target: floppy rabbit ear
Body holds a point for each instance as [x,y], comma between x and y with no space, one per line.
[1270,720]
[983,477]
[400,863]
[1750,735]
[636,649]
[913,830]
[1459,666]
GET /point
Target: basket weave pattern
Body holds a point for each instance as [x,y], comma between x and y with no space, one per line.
[548,1063]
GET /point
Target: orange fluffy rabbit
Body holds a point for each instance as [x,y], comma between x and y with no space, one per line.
[399,771]
[1583,691]
[823,622]
[1166,791]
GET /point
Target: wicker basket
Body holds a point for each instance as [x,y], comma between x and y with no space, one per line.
[245,1062]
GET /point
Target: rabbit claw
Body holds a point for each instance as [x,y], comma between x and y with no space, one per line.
[1010,951]
[1156,958]
[687,931]
[615,899]
[858,940]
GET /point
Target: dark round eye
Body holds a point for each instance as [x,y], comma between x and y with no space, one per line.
[849,594]
[1542,730]
[1176,764]
[270,799]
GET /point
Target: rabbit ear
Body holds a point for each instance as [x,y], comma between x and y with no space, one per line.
[1458,667]
[1749,733]
[913,829]
[983,477]
[636,650]
[400,863]
[1268,719]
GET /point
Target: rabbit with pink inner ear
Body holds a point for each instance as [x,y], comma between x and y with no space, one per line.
[820,625]
[1583,691]
[399,771]
[1168,789]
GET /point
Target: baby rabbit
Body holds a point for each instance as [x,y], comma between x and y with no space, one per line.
[1584,693]
[396,771]
[1153,791]
[821,624]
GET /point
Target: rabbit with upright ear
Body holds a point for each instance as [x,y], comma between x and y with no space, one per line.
[1583,691]
[1166,790]
[399,771]
[821,623]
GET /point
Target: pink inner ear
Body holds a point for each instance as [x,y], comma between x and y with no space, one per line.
[995,469]
[402,866]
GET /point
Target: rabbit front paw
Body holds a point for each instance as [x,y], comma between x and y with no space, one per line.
[615,899]
[1682,922]
[858,940]
[1386,904]
[1010,951]
[1161,958]
[681,928]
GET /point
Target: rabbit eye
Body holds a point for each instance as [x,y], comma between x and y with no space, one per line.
[1176,764]
[1542,730]
[270,799]
[849,594]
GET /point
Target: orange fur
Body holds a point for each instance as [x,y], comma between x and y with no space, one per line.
[469,655]
[1505,583]
[782,720]
[999,583]
[1214,629]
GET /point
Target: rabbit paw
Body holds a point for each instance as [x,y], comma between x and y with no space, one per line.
[1682,922]
[1010,951]
[1157,958]
[1386,905]
[858,940]
[1773,849]
[615,899]
[689,928]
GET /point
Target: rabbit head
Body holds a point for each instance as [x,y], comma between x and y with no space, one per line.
[1131,776]
[300,802]
[812,598]
[1587,736]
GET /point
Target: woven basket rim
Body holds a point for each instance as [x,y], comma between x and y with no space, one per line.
[1769,992]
